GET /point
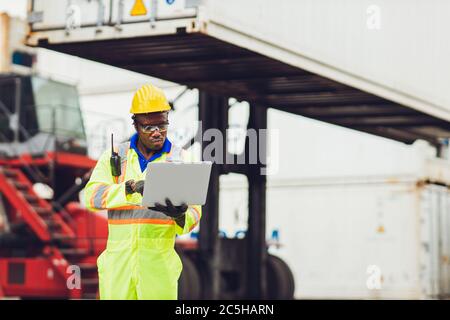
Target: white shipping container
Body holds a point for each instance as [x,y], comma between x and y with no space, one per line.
[56,14]
[366,237]
[393,49]
[73,14]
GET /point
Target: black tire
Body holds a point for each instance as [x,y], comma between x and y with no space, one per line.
[189,284]
[280,280]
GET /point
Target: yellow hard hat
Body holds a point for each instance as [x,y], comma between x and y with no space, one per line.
[149,98]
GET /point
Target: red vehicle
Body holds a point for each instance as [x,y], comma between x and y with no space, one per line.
[48,247]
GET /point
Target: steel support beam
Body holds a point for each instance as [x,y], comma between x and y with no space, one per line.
[256,232]
[213,111]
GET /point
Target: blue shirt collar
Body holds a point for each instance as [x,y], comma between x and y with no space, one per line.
[142,161]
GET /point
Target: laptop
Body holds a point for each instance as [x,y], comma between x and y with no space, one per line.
[178,181]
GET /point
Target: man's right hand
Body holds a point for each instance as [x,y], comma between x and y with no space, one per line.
[132,186]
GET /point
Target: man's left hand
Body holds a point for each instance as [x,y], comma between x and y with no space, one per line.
[170,210]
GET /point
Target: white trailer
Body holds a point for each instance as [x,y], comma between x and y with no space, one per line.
[362,237]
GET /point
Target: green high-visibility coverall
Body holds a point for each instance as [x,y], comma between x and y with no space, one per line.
[139,261]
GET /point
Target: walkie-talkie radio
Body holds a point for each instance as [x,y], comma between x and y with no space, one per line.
[115,160]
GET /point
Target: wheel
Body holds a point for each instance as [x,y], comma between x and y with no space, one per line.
[280,280]
[189,284]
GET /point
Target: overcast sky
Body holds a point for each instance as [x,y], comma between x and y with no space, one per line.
[15,8]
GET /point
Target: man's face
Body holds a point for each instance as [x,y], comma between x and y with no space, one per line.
[152,140]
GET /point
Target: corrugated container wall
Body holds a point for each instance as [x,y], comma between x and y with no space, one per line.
[382,237]
[395,45]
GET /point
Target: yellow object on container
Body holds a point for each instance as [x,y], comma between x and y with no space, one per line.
[139,8]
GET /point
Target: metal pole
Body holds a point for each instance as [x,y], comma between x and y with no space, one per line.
[443,149]
[256,232]
[17,102]
[211,111]
[52,163]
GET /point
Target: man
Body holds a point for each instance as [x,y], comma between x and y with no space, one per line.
[140,261]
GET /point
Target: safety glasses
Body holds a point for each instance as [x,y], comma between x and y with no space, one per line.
[152,128]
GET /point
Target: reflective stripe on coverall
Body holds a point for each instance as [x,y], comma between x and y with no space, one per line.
[139,261]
